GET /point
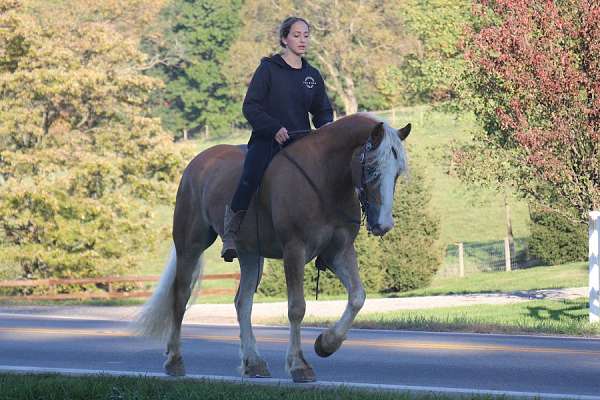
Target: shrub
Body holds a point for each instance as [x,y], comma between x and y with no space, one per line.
[556,240]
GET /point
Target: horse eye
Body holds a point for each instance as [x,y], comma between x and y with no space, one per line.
[394,153]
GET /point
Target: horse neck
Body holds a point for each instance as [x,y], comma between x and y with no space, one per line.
[339,145]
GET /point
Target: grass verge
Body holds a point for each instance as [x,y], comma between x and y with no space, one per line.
[50,387]
[558,276]
[562,317]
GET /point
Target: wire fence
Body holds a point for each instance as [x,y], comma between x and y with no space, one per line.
[486,257]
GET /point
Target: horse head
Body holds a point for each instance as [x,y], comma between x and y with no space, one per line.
[381,160]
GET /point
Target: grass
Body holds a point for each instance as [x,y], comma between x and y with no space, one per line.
[559,276]
[51,387]
[562,317]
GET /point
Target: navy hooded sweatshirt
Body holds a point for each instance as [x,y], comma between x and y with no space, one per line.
[282,96]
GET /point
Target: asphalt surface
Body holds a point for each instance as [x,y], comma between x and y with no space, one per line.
[563,366]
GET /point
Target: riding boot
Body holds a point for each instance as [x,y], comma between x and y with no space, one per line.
[233,221]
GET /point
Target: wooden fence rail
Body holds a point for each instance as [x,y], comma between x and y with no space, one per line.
[109,293]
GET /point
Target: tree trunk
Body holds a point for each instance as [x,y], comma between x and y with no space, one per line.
[348,97]
[509,231]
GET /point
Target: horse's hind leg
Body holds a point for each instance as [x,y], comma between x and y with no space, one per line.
[346,268]
[294,261]
[253,365]
[188,257]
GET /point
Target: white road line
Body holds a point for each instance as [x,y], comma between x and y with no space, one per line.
[289,383]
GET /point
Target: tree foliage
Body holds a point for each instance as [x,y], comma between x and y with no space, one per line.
[79,154]
[534,69]
[556,240]
[432,71]
[196,93]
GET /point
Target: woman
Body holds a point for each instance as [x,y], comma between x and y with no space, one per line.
[285,88]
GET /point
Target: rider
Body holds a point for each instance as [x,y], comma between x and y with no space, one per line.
[285,88]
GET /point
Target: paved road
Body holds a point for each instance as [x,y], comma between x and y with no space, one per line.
[568,366]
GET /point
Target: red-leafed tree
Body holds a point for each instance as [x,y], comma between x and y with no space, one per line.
[534,83]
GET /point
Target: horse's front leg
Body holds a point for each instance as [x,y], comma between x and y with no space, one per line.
[253,365]
[294,261]
[345,267]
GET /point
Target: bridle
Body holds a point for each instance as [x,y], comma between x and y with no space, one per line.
[363,189]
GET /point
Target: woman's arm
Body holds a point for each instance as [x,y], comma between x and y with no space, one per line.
[263,125]
[320,109]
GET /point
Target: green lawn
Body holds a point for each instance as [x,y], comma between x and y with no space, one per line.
[568,317]
[558,276]
[55,387]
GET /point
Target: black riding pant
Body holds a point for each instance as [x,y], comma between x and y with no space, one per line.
[259,155]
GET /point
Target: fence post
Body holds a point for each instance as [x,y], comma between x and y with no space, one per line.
[507,254]
[461,260]
[594,255]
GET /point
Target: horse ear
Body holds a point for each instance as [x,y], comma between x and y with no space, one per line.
[403,133]
[377,135]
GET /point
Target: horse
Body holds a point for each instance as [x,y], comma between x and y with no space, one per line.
[308,206]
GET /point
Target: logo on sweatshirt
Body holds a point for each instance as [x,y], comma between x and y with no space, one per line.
[309,82]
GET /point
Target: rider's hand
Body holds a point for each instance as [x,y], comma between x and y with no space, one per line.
[282,135]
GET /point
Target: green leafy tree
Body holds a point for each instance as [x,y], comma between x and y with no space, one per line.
[533,78]
[432,72]
[196,94]
[80,158]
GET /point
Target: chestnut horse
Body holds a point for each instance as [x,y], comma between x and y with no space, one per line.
[309,205]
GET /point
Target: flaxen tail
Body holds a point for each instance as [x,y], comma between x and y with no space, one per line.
[156,319]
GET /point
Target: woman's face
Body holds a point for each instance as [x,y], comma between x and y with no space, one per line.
[298,38]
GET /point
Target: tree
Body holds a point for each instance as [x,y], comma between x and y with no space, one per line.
[196,92]
[431,72]
[352,42]
[79,155]
[533,80]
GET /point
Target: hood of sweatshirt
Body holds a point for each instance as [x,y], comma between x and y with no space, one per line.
[277,59]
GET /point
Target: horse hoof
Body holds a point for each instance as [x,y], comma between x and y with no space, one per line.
[321,352]
[175,367]
[304,375]
[258,370]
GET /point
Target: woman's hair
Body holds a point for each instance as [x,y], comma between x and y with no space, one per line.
[286,25]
